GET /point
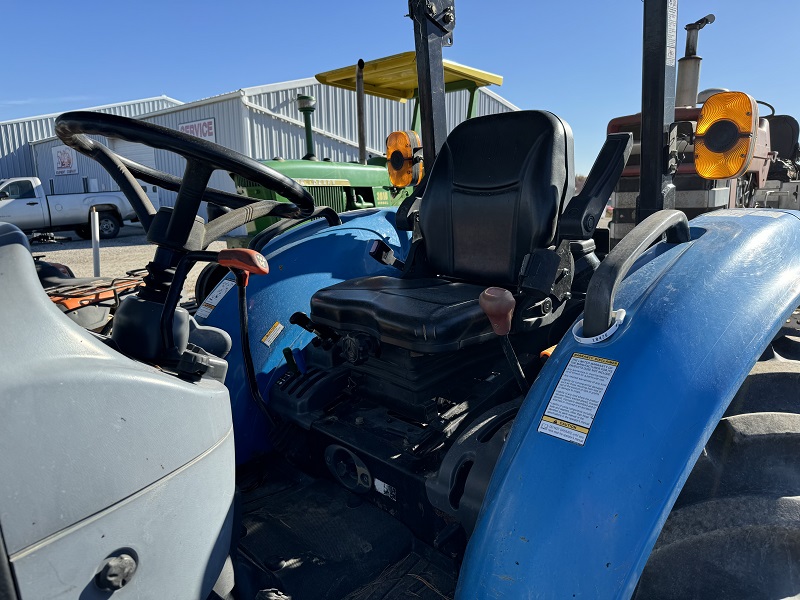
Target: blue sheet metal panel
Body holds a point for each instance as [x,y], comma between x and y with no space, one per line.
[301,262]
[562,520]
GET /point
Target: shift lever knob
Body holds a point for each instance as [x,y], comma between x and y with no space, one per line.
[498,304]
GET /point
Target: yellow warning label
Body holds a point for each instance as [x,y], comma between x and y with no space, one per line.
[566,424]
[272,334]
[605,361]
[572,408]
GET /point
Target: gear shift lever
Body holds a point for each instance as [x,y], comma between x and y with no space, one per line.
[498,304]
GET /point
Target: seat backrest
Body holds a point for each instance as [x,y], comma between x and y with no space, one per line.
[783,136]
[494,193]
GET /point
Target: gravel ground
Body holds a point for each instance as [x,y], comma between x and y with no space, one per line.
[128,251]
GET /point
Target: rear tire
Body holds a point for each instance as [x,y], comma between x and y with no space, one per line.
[109,225]
[734,532]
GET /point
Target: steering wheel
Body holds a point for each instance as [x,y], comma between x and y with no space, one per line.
[178,229]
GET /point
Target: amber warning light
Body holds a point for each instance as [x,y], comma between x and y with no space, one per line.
[404,151]
[725,137]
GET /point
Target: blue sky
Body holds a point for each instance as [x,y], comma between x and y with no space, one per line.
[580,59]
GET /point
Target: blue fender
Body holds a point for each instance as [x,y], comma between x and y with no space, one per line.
[301,261]
[563,520]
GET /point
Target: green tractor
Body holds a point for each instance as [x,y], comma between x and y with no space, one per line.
[366,183]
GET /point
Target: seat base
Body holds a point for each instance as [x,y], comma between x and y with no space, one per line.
[427,315]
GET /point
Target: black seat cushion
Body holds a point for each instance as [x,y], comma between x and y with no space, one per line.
[423,315]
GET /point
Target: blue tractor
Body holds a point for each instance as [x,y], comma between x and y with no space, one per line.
[453,398]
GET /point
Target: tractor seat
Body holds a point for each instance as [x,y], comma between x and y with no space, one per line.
[494,194]
[784,133]
[423,315]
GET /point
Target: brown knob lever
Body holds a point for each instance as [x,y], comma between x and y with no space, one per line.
[499,304]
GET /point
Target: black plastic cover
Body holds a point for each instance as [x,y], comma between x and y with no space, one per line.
[422,315]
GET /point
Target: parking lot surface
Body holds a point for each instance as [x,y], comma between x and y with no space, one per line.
[126,252]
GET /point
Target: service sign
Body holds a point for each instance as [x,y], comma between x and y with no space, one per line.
[204,129]
[65,160]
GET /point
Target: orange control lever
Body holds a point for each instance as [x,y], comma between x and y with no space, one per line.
[245,261]
[498,304]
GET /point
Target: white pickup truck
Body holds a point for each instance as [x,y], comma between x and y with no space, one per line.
[24,203]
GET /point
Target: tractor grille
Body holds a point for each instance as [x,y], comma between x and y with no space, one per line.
[329,195]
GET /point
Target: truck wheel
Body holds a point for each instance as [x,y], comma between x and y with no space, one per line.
[109,225]
[735,529]
[84,232]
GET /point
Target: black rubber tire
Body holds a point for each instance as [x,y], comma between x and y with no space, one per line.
[109,225]
[734,531]
[84,232]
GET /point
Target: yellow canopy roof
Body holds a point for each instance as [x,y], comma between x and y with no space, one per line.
[395,77]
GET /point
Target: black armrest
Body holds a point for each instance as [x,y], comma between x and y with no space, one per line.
[584,210]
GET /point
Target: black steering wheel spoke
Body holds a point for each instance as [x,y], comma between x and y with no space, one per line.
[203,158]
[173,184]
[187,204]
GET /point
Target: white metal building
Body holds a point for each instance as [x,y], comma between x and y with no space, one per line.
[261,122]
[16,136]
[264,122]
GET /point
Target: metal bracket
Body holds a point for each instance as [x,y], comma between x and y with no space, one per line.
[547,272]
[434,21]
[671,148]
[443,14]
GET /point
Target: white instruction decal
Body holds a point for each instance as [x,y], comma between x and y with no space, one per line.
[211,301]
[672,30]
[272,334]
[387,490]
[578,394]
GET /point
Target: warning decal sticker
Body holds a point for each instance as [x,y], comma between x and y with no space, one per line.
[217,294]
[570,413]
[272,334]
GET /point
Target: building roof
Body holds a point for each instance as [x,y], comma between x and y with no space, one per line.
[103,107]
[240,93]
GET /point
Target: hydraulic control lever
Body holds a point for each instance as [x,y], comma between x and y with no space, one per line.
[325,336]
[243,262]
[233,258]
[498,304]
